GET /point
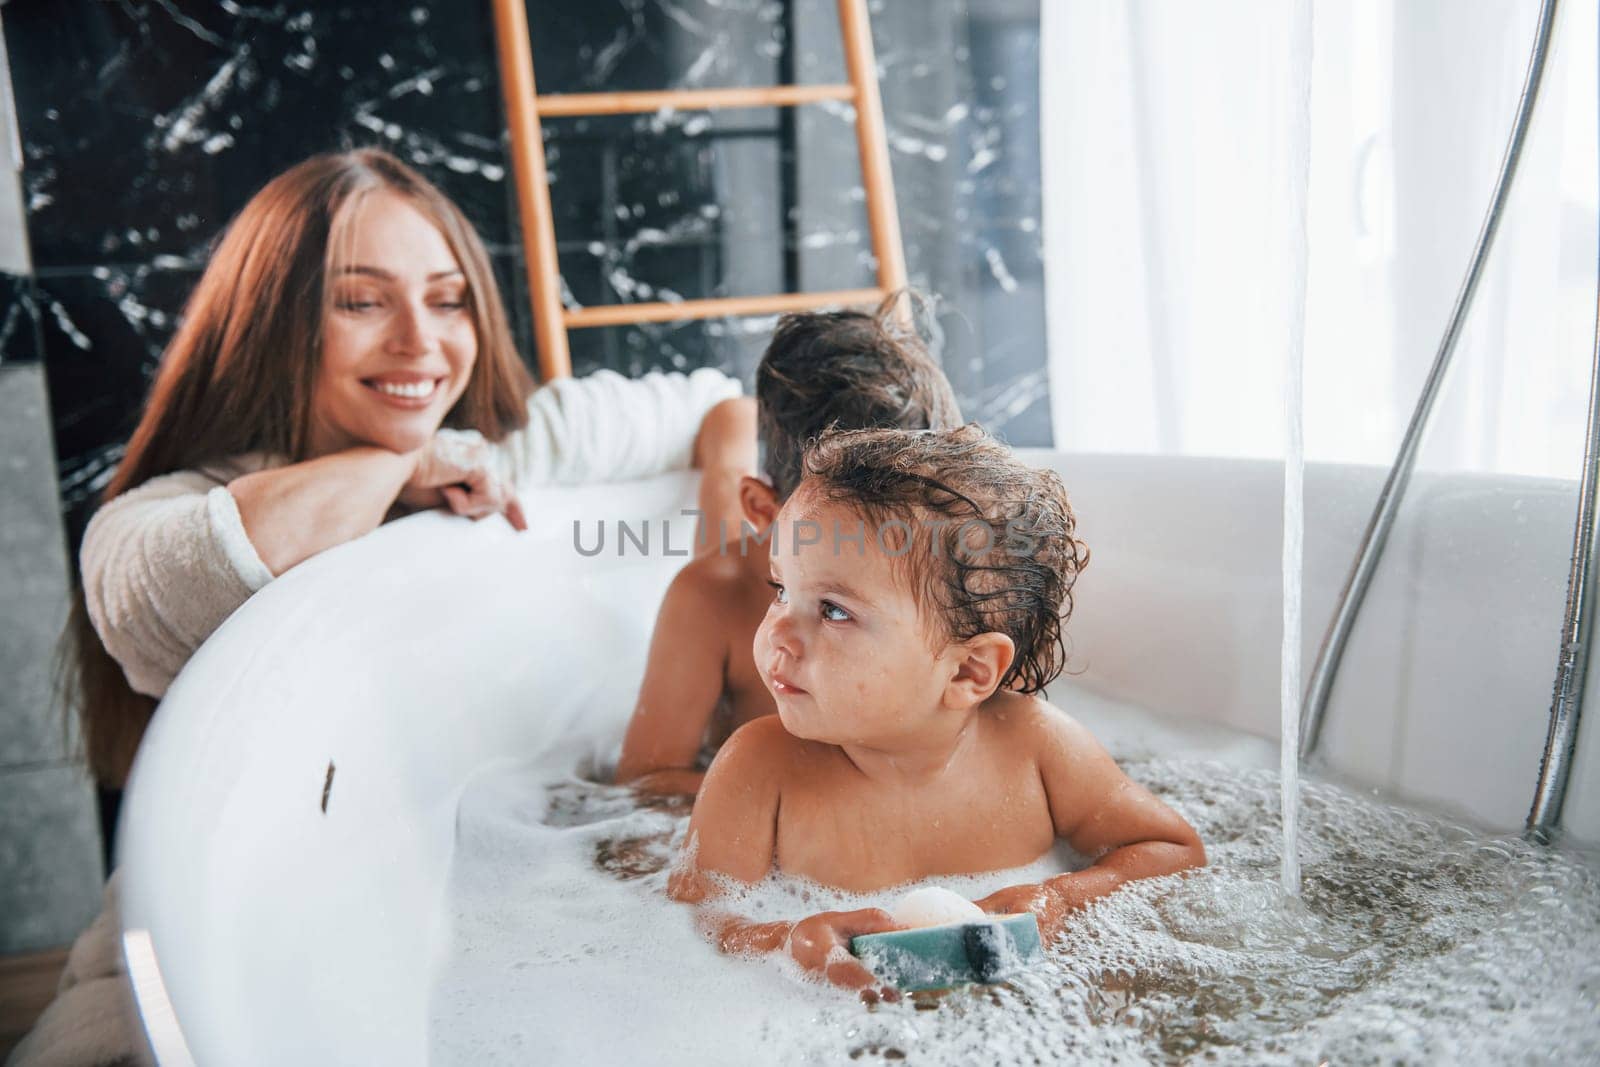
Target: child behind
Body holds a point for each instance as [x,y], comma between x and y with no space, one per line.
[903,649]
[842,369]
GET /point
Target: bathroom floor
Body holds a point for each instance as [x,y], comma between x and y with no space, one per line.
[27,985]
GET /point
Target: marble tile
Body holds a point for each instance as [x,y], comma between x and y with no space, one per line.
[731,345]
[33,572]
[622,45]
[699,215]
[50,873]
[960,93]
[145,127]
[103,332]
[19,321]
[735,204]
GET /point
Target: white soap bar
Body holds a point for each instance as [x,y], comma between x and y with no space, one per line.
[934,906]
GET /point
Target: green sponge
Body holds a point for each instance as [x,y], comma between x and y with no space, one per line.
[934,957]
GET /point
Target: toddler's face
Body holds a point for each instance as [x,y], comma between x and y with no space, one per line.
[844,650]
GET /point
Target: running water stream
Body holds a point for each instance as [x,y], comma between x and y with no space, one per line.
[1296,124]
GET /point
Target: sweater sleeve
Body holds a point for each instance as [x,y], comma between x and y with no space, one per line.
[163,566]
[606,428]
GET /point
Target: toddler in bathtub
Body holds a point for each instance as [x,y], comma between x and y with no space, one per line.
[845,369]
[915,612]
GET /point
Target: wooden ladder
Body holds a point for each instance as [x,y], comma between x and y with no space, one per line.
[525,109]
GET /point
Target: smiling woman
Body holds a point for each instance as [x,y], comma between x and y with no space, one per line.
[344,360]
[398,342]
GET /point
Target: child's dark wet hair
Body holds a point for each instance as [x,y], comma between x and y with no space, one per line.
[986,540]
[845,369]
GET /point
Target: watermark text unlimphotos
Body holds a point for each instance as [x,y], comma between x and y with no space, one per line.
[975,538]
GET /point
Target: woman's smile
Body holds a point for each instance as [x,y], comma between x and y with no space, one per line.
[408,391]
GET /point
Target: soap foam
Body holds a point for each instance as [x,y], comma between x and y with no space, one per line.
[1413,939]
[934,905]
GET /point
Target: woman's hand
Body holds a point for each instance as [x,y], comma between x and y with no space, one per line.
[454,470]
[821,945]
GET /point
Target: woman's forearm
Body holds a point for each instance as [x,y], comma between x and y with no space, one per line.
[292,513]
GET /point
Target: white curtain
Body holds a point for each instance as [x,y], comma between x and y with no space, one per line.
[1167,156]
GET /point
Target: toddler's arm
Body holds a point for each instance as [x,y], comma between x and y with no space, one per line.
[1103,814]
[682,683]
[733,835]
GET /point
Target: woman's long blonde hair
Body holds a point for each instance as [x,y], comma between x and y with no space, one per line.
[237,377]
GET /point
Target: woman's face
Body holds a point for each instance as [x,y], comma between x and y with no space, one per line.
[398,341]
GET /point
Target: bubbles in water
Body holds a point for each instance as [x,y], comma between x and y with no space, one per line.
[1412,940]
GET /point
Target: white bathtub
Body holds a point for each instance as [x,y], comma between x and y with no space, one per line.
[286,933]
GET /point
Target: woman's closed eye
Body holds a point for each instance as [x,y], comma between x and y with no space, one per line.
[447,303]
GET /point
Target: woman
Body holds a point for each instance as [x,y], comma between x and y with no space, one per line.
[347,314]
[344,359]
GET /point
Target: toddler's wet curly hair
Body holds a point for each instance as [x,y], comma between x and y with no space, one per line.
[985,540]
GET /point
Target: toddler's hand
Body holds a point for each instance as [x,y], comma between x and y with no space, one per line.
[821,945]
[1045,904]
[453,470]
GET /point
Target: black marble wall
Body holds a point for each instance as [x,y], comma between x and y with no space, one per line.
[19,320]
[146,125]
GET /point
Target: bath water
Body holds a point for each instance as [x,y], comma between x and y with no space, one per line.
[1413,939]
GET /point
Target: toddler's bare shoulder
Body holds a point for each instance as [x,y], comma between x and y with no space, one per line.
[1035,721]
[761,747]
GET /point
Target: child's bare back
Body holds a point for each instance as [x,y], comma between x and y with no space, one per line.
[701,682]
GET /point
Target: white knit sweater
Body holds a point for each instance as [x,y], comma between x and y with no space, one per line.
[166,563]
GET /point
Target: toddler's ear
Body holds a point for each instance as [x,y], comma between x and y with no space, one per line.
[758,501]
[982,661]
